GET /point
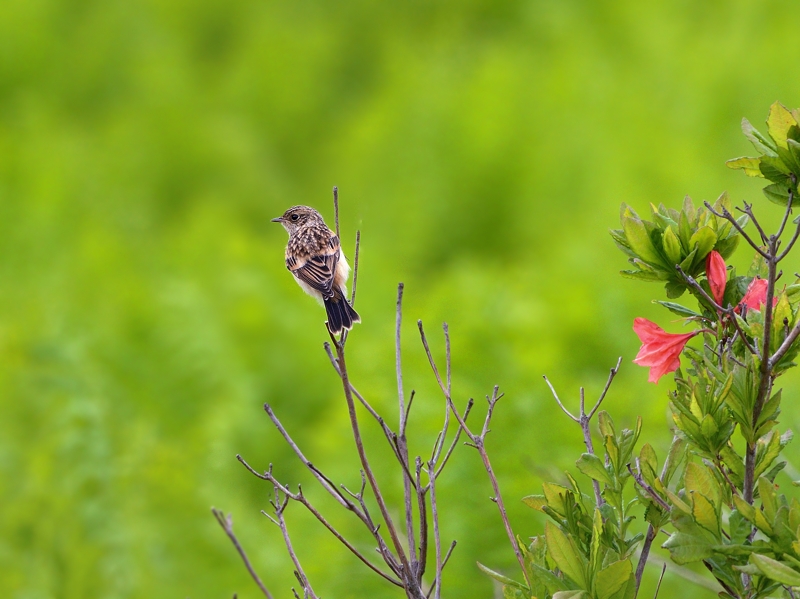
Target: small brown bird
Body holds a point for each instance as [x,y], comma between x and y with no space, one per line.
[314,256]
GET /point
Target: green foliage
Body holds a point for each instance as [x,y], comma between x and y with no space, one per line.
[674,238]
[780,154]
[586,550]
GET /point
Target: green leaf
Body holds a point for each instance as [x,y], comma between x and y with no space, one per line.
[777,193]
[708,426]
[685,548]
[547,579]
[565,555]
[677,453]
[597,532]
[759,141]
[745,509]
[510,592]
[677,502]
[672,246]
[779,121]
[703,241]
[648,462]
[739,527]
[555,494]
[766,490]
[678,309]
[500,578]
[748,165]
[593,467]
[572,595]
[641,275]
[775,570]
[606,424]
[612,578]
[705,514]
[675,289]
[535,501]
[639,240]
[700,480]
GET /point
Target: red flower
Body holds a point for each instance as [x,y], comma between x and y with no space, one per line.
[755,296]
[717,275]
[660,350]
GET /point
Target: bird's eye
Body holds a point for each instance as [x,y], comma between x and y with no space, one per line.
[295,217]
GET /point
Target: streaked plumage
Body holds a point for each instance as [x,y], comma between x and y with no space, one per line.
[314,256]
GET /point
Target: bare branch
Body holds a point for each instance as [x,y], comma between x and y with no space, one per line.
[648,542]
[787,343]
[402,443]
[650,491]
[431,360]
[351,408]
[558,401]
[336,209]
[300,498]
[355,268]
[748,210]
[279,507]
[610,380]
[660,578]
[788,210]
[227,526]
[477,441]
[731,219]
[436,536]
[422,507]
[298,452]
[455,439]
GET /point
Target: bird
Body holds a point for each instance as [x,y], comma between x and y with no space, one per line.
[314,256]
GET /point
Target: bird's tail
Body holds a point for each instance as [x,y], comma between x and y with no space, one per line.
[341,314]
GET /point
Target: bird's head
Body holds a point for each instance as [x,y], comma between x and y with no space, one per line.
[297,217]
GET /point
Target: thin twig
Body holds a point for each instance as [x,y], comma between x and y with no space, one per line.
[558,401]
[792,241]
[648,542]
[730,218]
[448,365]
[326,484]
[650,491]
[660,578]
[652,531]
[477,441]
[431,361]
[387,432]
[610,380]
[765,383]
[279,507]
[585,421]
[748,210]
[355,268]
[351,408]
[402,442]
[786,212]
[336,209]
[787,343]
[436,534]
[227,526]
[301,498]
[422,507]
[470,403]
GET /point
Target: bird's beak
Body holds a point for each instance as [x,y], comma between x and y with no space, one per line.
[277,220]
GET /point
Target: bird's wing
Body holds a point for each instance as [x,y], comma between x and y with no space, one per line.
[317,270]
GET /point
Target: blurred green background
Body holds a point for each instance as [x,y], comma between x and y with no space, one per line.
[483,148]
